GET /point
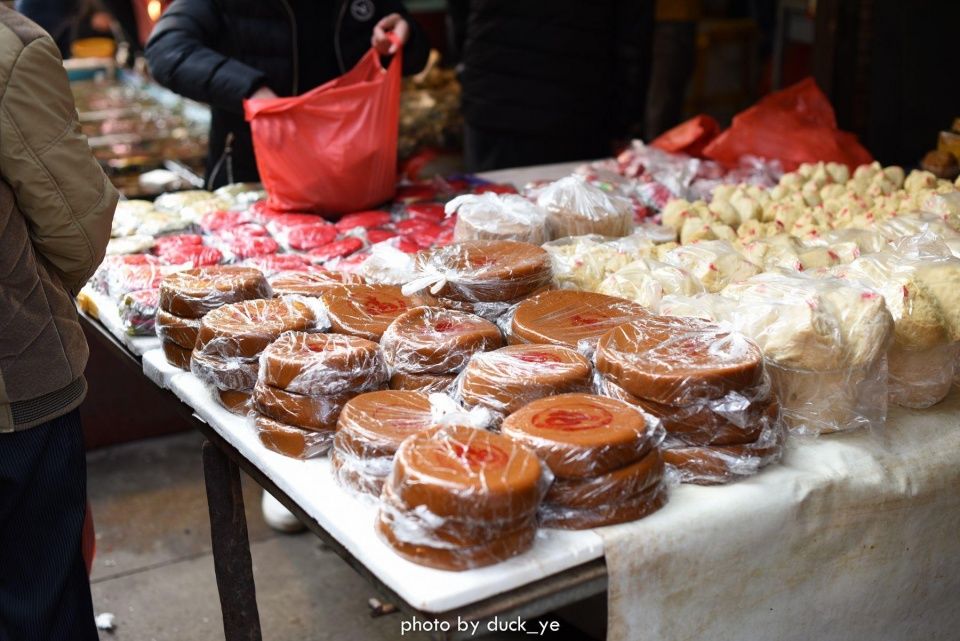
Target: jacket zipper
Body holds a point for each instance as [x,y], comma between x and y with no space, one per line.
[296,48]
[336,36]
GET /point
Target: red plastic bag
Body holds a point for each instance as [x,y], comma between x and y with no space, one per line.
[334,148]
[794,126]
[689,137]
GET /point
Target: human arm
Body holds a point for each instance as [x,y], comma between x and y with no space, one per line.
[181,57]
[62,192]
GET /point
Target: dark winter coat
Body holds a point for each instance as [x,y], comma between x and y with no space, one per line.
[545,67]
[221,51]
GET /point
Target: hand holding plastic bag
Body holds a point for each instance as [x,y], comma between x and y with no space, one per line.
[334,148]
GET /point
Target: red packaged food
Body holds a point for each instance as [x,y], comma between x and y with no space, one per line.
[336,249]
[432,212]
[273,263]
[193,255]
[221,219]
[166,243]
[415,193]
[241,248]
[306,237]
[279,221]
[364,219]
[246,230]
[379,235]
[411,225]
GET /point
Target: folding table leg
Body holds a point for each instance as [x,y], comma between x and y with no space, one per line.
[231,546]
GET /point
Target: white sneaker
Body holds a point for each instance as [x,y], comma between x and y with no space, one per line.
[278,517]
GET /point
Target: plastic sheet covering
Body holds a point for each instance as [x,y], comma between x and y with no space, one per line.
[231,338]
[458,498]
[138,312]
[194,292]
[482,271]
[920,282]
[433,340]
[506,379]
[490,216]
[372,426]
[570,318]
[825,341]
[646,281]
[715,263]
[575,207]
[314,363]
[603,453]
[583,262]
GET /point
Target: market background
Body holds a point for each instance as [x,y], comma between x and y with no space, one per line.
[153,568]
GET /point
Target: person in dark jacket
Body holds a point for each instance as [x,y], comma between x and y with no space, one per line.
[223,51]
[550,80]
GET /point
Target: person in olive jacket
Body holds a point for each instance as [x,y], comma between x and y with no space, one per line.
[223,51]
[56,208]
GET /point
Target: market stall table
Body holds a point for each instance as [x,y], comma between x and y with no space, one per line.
[840,517]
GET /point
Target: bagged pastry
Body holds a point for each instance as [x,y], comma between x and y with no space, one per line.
[825,341]
[482,271]
[575,207]
[920,282]
[491,216]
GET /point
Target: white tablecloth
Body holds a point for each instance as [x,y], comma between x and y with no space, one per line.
[852,537]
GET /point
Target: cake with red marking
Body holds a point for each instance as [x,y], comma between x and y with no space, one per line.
[603,453]
[459,498]
[437,341]
[506,379]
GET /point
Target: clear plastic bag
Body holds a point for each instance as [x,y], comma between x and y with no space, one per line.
[646,281]
[715,263]
[713,465]
[459,498]
[574,207]
[433,340]
[138,312]
[194,292]
[322,364]
[506,379]
[490,216]
[583,262]
[367,310]
[231,338]
[569,318]
[919,281]
[825,341]
[482,271]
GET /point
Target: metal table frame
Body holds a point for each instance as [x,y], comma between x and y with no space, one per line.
[222,463]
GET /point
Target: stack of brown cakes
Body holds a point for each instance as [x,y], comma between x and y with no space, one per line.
[604,455]
[459,498]
[705,384]
[370,430]
[305,380]
[427,346]
[185,297]
[231,338]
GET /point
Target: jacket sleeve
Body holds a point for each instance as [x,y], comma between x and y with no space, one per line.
[60,189]
[180,56]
